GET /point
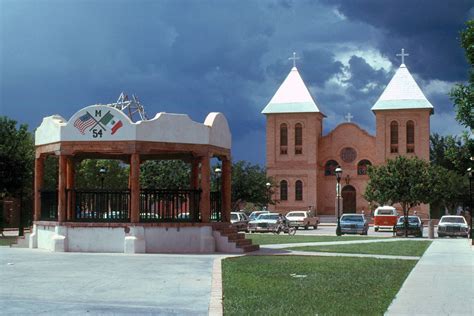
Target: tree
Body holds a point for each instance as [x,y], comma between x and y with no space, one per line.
[463,95]
[451,152]
[16,158]
[249,185]
[88,177]
[446,188]
[165,174]
[402,180]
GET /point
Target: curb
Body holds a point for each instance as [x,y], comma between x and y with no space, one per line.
[215,304]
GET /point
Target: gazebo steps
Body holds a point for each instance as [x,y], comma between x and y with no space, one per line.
[22,241]
[242,244]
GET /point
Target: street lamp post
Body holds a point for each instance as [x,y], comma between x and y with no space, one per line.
[218,172]
[102,172]
[470,175]
[338,172]
[268,185]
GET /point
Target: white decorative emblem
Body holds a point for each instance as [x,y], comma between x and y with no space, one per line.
[97,124]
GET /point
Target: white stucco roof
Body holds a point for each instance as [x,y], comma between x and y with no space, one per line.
[402,92]
[292,97]
[103,123]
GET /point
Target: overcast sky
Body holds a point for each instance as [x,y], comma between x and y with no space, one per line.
[197,57]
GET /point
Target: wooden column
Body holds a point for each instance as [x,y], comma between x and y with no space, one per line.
[39,175]
[205,204]
[194,174]
[62,207]
[226,189]
[70,187]
[134,188]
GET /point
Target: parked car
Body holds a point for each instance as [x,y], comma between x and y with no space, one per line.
[302,219]
[266,222]
[255,214]
[354,224]
[239,220]
[415,226]
[452,225]
[385,217]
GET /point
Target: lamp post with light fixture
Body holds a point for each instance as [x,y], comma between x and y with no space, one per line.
[338,173]
[102,172]
[268,185]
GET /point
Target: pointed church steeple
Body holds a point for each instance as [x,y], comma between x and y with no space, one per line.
[292,97]
[402,92]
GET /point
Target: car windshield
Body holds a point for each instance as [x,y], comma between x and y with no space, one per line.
[234,216]
[301,214]
[268,216]
[385,212]
[352,218]
[410,219]
[458,220]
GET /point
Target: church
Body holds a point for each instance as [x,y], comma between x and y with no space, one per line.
[301,160]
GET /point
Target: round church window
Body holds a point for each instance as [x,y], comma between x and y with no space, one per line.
[348,154]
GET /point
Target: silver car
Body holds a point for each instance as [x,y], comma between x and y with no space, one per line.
[452,225]
[354,224]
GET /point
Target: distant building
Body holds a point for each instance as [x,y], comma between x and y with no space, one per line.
[302,160]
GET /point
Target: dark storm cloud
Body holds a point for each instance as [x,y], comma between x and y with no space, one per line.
[427,29]
[195,57]
[362,74]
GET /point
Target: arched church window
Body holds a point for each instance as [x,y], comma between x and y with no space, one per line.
[362,167]
[410,137]
[298,139]
[299,190]
[283,139]
[283,190]
[330,168]
[394,137]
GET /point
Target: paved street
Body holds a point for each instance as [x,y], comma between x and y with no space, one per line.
[330,229]
[40,282]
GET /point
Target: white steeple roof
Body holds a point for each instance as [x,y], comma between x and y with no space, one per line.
[292,97]
[402,92]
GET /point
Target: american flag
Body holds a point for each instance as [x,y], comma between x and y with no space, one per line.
[84,122]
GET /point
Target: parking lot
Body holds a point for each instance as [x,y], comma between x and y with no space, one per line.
[330,229]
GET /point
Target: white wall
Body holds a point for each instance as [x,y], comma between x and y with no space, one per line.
[113,239]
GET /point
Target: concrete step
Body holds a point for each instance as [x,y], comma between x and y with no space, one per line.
[22,241]
[250,248]
[236,236]
[228,231]
[242,242]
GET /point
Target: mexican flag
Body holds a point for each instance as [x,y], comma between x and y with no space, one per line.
[111,123]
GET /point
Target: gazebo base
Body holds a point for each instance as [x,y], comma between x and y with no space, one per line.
[137,238]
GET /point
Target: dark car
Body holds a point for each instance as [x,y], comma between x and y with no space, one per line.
[415,226]
[354,224]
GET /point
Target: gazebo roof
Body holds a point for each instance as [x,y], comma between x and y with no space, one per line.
[103,123]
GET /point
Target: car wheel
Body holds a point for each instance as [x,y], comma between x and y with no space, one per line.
[306,227]
[315,227]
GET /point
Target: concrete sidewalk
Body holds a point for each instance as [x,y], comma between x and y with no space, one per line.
[41,282]
[441,283]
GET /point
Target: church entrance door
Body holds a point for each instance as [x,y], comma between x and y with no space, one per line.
[348,199]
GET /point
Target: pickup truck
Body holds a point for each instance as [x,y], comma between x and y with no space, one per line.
[302,219]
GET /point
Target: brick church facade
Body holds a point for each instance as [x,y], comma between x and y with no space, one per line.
[301,159]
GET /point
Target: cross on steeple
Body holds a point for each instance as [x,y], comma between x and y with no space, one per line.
[294,58]
[403,55]
[349,117]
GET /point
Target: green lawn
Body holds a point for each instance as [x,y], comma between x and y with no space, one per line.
[396,248]
[263,285]
[267,239]
[7,241]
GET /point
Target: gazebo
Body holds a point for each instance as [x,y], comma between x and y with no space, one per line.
[135,220]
